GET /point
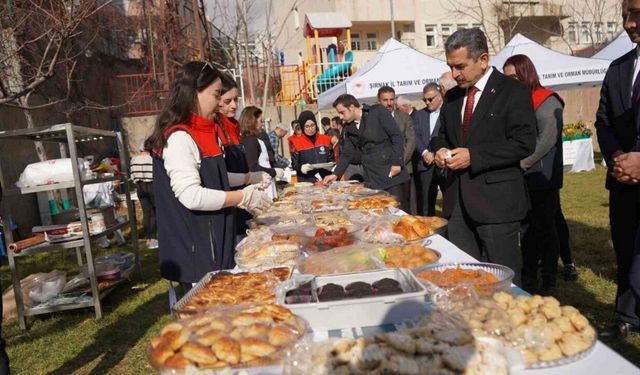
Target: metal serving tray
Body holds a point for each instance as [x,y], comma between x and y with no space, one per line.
[178,308]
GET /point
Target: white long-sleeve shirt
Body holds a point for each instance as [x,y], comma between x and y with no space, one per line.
[182,163]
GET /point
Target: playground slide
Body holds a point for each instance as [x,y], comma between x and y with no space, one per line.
[334,74]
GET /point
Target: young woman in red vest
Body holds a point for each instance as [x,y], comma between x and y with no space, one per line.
[310,147]
[543,173]
[191,184]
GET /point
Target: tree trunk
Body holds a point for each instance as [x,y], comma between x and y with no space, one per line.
[40,151]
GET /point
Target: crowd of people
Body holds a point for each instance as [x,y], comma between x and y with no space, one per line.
[490,142]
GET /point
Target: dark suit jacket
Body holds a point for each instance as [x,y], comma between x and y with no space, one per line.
[501,133]
[615,123]
[381,145]
[406,126]
[422,122]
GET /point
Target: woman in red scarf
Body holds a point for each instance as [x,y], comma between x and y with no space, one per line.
[543,174]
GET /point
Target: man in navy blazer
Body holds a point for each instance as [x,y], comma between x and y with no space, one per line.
[487,125]
[427,124]
[617,124]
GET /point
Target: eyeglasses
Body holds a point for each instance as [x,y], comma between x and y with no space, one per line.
[429,100]
[204,65]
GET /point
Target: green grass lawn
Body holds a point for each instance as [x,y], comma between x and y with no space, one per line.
[75,343]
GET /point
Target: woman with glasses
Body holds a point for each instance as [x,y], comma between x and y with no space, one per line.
[543,175]
[193,194]
[311,148]
[255,149]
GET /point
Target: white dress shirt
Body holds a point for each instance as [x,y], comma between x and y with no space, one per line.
[433,118]
[636,69]
[480,85]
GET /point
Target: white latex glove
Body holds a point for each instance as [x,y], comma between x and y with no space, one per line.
[329,167]
[305,168]
[261,178]
[254,199]
[279,172]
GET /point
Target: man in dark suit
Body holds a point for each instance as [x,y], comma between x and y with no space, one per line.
[387,99]
[372,133]
[427,125]
[617,124]
[487,125]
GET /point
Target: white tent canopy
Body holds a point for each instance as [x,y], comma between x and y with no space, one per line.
[555,69]
[618,47]
[396,65]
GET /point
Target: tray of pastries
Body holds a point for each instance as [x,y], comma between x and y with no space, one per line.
[414,228]
[232,288]
[267,254]
[408,256]
[442,346]
[374,201]
[238,337]
[331,220]
[546,333]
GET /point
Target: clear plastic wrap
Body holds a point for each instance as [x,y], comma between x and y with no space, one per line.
[227,337]
[230,288]
[354,258]
[545,333]
[256,253]
[379,231]
[484,278]
[439,345]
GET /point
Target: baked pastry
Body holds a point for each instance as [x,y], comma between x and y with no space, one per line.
[177,361]
[241,335]
[256,347]
[227,349]
[374,201]
[229,289]
[416,227]
[408,256]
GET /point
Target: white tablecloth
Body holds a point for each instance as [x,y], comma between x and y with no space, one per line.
[602,360]
[577,155]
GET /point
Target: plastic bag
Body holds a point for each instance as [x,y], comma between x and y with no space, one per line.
[380,231]
[47,286]
[48,172]
[239,336]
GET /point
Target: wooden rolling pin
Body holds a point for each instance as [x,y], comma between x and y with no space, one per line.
[16,247]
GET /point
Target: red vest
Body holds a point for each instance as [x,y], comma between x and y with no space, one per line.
[541,94]
[203,132]
[229,131]
[303,143]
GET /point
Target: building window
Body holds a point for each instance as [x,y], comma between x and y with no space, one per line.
[355,41]
[445,31]
[584,33]
[430,31]
[476,25]
[611,30]
[572,35]
[372,41]
[408,28]
[461,26]
[599,30]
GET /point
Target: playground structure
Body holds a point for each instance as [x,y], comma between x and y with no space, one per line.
[324,67]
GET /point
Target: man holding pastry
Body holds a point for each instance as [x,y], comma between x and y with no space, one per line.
[487,125]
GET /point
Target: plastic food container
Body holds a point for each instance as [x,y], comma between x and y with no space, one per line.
[503,274]
[359,312]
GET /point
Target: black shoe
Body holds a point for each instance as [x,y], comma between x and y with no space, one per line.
[619,330]
[570,273]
